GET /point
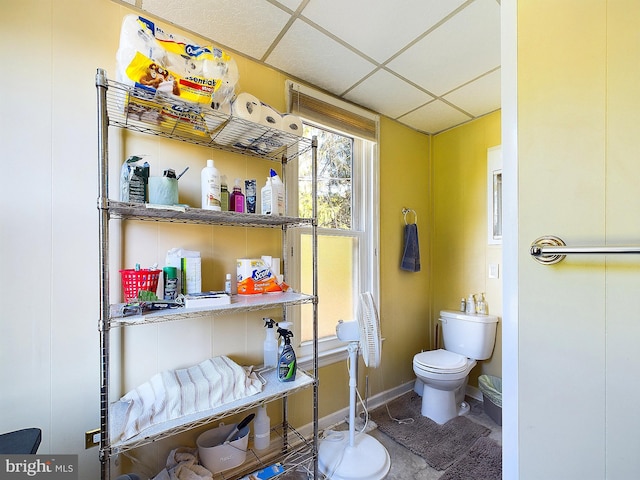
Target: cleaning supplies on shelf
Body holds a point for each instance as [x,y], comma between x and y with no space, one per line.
[236,200]
[261,429]
[170,277]
[284,326]
[255,276]
[210,186]
[287,365]
[250,194]
[224,194]
[272,201]
[270,344]
[227,284]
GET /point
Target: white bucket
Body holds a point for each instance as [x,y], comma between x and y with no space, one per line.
[218,457]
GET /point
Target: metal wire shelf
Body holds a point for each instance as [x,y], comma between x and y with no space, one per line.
[239,303]
[178,214]
[151,112]
[273,390]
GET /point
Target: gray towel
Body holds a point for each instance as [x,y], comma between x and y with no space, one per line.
[411,255]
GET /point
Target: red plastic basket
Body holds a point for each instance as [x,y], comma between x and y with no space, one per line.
[135,280]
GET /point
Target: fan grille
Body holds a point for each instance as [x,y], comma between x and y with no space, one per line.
[369,323]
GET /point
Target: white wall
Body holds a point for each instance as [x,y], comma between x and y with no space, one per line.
[577,150]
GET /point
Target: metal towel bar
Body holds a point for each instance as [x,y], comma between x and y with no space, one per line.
[550,249]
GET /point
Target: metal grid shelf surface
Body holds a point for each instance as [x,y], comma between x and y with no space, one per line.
[272,390]
[179,214]
[152,112]
[239,303]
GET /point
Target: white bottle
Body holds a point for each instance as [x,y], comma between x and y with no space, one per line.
[471,304]
[261,429]
[272,196]
[210,186]
[270,344]
[227,284]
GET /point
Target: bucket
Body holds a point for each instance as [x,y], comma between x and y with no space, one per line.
[218,457]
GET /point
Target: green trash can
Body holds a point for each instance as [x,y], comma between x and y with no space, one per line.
[491,388]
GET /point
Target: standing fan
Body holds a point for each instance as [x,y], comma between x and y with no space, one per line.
[358,456]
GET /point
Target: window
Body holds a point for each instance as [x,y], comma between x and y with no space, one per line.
[347,215]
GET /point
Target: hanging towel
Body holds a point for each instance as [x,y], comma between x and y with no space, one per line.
[411,256]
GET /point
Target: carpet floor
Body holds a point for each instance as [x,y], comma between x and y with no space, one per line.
[439,445]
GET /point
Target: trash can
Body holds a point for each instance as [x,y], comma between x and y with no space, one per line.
[491,388]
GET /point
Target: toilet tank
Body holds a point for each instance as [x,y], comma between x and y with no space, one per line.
[469,334]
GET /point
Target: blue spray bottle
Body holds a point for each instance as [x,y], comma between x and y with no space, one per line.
[287,364]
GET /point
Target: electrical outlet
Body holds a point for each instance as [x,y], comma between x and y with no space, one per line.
[92,438]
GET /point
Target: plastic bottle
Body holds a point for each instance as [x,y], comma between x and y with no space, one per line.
[277,187]
[265,198]
[210,186]
[261,429]
[283,326]
[236,200]
[227,284]
[287,364]
[270,344]
[463,304]
[471,305]
[224,194]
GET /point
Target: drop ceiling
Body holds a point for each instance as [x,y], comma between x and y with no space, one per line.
[429,64]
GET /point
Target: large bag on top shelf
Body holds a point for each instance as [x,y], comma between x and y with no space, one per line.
[165,66]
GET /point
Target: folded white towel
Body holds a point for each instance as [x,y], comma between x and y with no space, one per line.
[172,394]
[182,464]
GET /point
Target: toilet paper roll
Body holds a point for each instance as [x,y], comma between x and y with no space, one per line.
[238,133]
[292,124]
[270,117]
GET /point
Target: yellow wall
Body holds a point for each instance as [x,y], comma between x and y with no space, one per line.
[55,365]
[461,251]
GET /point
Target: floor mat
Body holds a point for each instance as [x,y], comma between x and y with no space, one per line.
[439,445]
[484,461]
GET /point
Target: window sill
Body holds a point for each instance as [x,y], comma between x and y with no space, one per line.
[325,358]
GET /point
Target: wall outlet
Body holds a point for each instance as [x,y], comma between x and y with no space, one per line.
[92,438]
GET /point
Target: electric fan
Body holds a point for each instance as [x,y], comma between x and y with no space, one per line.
[359,456]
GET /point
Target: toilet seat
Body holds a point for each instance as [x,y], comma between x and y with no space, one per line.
[441,361]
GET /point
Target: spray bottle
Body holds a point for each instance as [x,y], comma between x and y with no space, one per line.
[270,344]
[287,364]
[261,429]
[283,326]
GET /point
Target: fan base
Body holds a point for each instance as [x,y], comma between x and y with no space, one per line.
[366,459]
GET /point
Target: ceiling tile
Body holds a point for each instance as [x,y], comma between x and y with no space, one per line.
[248,26]
[290,4]
[434,117]
[311,56]
[385,93]
[365,24]
[478,97]
[463,48]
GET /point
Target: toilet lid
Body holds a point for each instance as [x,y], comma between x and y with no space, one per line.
[441,360]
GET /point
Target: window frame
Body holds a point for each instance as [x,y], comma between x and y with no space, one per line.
[365,228]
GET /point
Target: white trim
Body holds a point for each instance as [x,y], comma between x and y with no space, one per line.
[510,354]
[338,417]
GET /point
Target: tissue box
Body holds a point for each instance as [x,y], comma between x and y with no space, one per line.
[255,276]
[206,299]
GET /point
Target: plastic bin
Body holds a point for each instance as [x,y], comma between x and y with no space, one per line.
[491,388]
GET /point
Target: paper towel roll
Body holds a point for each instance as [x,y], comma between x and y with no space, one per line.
[292,124]
[238,133]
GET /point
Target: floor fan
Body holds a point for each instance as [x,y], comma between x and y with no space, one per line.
[358,456]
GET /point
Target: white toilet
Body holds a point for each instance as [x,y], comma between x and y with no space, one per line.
[442,374]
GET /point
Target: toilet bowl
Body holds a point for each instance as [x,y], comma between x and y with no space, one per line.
[443,376]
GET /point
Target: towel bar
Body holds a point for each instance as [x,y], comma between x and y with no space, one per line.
[550,249]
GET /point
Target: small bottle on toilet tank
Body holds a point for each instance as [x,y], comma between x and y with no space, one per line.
[463,304]
[471,305]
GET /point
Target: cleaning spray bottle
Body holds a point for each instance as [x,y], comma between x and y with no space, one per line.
[261,429]
[287,364]
[284,326]
[270,344]
[236,199]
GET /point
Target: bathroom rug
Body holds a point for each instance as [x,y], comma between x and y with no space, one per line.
[439,445]
[484,461]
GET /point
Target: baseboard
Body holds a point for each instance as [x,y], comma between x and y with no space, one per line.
[372,403]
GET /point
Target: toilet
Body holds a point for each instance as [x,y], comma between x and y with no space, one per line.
[442,374]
